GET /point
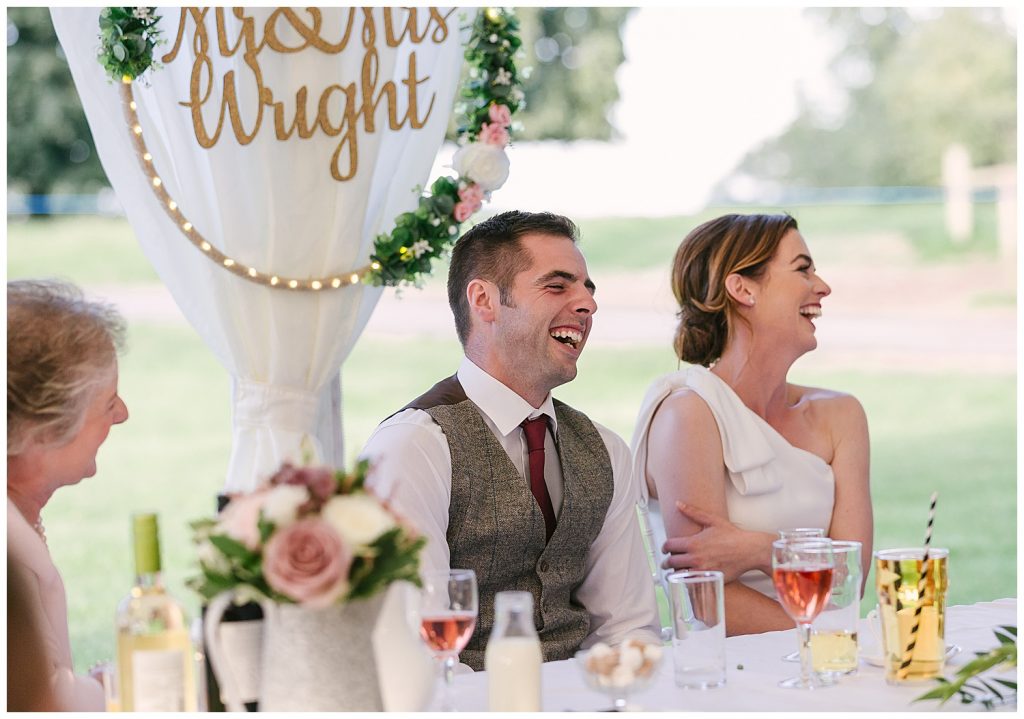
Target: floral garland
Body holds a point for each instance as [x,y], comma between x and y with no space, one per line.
[490,97]
[128,36]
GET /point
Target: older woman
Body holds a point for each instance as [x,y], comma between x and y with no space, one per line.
[733,451]
[61,402]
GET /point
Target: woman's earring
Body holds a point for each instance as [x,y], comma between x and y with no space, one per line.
[751,303]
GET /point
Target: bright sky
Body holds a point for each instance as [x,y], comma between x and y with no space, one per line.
[699,88]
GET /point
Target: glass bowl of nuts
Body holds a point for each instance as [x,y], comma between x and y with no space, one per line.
[620,671]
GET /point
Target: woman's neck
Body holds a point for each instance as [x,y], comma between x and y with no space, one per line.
[24,491]
[758,378]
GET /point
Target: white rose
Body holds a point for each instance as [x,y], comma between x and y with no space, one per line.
[212,558]
[486,165]
[282,504]
[358,518]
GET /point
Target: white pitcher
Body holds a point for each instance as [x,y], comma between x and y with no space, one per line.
[360,656]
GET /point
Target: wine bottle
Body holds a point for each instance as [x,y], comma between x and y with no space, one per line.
[155,659]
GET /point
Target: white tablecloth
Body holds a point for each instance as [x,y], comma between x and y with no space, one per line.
[755,686]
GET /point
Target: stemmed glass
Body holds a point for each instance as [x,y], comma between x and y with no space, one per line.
[802,571]
[800,533]
[448,608]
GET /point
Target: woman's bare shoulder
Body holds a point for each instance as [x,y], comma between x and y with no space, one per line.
[684,405]
[837,409]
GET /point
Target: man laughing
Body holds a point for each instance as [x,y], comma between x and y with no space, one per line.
[503,479]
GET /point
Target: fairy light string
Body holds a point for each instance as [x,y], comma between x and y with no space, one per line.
[406,253]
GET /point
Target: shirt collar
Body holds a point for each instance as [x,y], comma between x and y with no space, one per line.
[501,404]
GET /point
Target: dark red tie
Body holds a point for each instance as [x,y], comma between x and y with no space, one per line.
[536,430]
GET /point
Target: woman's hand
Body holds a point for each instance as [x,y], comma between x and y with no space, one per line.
[719,545]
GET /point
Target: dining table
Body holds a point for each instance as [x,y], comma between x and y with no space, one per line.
[755,665]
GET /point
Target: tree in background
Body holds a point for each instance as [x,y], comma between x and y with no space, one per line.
[574,53]
[49,146]
[914,84]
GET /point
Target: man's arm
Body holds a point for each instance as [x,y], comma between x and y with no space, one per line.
[617,589]
[411,470]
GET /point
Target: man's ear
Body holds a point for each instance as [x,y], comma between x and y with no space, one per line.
[740,288]
[483,299]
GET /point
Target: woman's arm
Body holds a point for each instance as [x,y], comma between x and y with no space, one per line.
[852,516]
[684,459]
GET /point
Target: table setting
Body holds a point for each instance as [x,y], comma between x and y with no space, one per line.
[755,666]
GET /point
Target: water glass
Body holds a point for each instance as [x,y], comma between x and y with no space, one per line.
[834,632]
[697,602]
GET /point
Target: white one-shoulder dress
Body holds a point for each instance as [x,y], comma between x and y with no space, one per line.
[772,484]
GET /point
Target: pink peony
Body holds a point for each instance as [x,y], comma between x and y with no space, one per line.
[493,134]
[308,563]
[320,480]
[462,211]
[472,194]
[240,518]
[500,114]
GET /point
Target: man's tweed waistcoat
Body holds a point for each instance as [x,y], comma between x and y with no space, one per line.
[496,528]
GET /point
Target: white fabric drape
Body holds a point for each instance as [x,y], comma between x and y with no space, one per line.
[271,204]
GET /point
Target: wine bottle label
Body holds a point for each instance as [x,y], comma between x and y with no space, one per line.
[158,680]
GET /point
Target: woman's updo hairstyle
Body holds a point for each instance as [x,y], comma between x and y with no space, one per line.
[741,244]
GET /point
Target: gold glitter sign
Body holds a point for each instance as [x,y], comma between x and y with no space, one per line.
[341,109]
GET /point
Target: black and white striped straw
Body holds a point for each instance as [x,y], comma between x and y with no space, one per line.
[908,654]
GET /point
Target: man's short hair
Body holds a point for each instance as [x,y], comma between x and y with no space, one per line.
[492,251]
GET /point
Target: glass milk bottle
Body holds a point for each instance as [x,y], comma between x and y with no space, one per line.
[513,655]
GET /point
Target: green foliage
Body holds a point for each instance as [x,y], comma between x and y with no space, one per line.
[128,36]
[407,253]
[574,53]
[493,76]
[49,146]
[394,556]
[968,683]
[913,87]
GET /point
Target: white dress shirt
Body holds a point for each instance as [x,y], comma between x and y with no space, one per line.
[412,468]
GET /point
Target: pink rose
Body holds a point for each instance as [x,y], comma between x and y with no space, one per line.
[493,134]
[462,211]
[500,114]
[240,518]
[307,562]
[319,480]
[472,194]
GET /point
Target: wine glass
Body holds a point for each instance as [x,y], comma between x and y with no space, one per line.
[802,572]
[800,533]
[448,607]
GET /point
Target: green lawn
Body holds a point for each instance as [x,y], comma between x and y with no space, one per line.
[171,455]
[954,433]
[103,250]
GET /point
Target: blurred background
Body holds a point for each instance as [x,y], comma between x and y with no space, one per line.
[889,133]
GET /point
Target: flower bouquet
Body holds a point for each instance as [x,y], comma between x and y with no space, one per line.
[309,535]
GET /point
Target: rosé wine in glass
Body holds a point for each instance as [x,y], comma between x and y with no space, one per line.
[448,609]
[802,572]
[447,632]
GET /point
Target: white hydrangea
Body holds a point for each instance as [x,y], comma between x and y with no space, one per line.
[281,507]
[212,558]
[486,165]
[358,518]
